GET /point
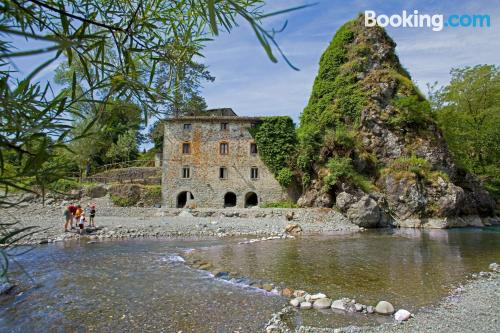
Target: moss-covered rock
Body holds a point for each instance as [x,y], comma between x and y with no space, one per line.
[368,129]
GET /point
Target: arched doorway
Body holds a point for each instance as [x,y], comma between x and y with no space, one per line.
[229,199]
[182,198]
[251,199]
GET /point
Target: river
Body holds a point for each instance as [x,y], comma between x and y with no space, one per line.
[144,285]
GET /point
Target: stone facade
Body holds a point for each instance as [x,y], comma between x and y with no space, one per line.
[194,151]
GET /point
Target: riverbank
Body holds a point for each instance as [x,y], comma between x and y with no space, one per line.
[136,222]
[471,307]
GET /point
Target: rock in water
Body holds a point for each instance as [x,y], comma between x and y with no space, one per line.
[322,303]
[305,305]
[287,292]
[379,147]
[340,304]
[495,267]
[294,302]
[402,315]
[384,308]
[317,296]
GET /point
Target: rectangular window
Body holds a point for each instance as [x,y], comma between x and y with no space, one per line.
[223,173]
[187,127]
[253,148]
[186,172]
[186,148]
[224,126]
[254,173]
[224,148]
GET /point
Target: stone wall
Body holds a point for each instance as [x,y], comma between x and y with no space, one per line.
[204,161]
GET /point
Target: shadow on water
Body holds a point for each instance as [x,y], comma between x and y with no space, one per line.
[136,286]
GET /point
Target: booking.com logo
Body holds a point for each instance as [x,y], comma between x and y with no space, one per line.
[416,20]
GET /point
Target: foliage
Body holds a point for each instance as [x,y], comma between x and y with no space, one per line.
[468,113]
[125,149]
[276,142]
[413,111]
[151,195]
[64,185]
[285,177]
[341,169]
[336,98]
[123,201]
[279,204]
[412,164]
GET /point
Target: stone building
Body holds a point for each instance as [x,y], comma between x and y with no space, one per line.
[211,160]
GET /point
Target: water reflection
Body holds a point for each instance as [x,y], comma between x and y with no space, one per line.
[137,286]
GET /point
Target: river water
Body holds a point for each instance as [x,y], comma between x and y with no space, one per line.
[144,286]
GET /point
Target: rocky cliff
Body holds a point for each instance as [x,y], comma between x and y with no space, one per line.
[369,143]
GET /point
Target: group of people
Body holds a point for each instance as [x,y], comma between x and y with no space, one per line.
[75,216]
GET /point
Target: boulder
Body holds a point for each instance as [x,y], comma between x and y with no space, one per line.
[364,213]
[293,229]
[289,216]
[402,315]
[344,200]
[322,303]
[384,308]
[295,302]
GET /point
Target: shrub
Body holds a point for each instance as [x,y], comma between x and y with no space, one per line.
[64,185]
[123,201]
[341,168]
[285,177]
[412,111]
[151,195]
[413,164]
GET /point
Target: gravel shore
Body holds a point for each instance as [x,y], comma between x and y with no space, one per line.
[472,307]
[132,222]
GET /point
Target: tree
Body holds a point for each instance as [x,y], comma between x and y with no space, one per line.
[125,149]
[468,113]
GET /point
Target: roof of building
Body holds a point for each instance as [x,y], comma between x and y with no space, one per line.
[214,114]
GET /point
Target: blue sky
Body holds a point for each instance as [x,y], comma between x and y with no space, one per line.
[249,83]
[252,85]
